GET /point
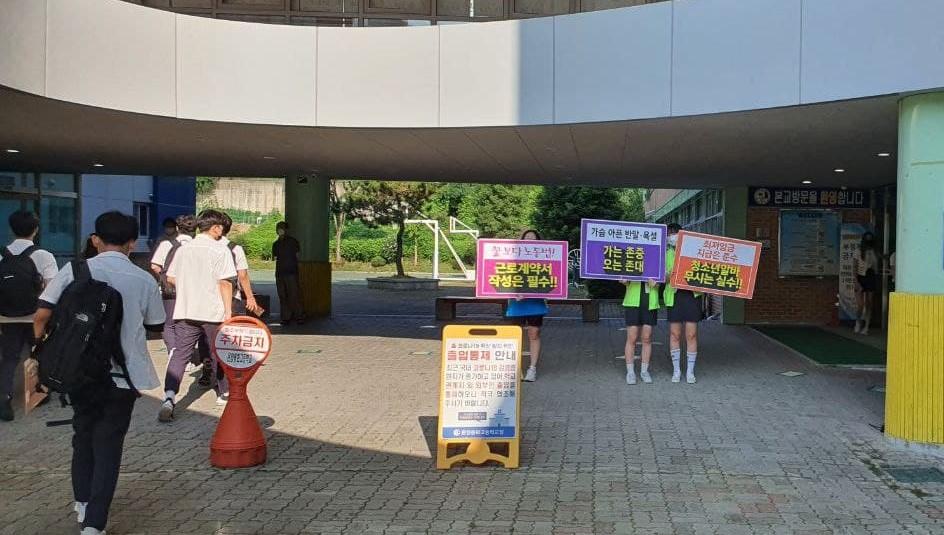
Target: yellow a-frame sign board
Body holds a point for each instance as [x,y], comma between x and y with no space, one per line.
[479,398]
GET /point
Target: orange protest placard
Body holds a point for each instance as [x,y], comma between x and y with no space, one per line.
[716,265]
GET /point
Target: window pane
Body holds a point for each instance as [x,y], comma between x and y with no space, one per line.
[57,182]
[380,23]
[57,225]
[10,181]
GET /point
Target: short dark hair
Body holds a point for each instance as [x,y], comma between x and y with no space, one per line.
[23,223]
[227,223]
[674,227]
[281,225]
[537,236]
[208,219]
[116,228]
[169,222]
[186,223]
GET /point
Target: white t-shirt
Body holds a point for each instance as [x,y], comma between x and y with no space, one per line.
[45,264]
[197,270]
[141,303]
[163,249]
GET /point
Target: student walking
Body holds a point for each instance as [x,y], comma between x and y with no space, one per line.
[102,410]
[24,270]
[243,299]
[201,274]
[163,257]
[641,305]
[866,268]
[285,252]
[685,310]
[529,313]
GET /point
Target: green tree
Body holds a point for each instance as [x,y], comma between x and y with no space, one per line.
[380,202]
[558,215]
[499,210]
[344,202]
[634,208]
[559,210]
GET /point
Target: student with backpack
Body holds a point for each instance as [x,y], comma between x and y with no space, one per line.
[243,298]
[160,262]
[24,270]
[201,274]
[96,313]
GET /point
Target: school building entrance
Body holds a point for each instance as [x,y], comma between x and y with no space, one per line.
[811,127]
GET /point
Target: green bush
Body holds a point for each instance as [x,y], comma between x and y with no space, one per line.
[365,250]
[258,242]
[377,262]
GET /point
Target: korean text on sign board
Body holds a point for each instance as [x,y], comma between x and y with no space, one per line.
[718,265]
[480,388]
[241,347]
[619,250]
[521,268]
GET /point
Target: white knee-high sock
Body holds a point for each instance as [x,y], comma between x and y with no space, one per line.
[677,360]
[692,355]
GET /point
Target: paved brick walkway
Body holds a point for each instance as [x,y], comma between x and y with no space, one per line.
[350,410]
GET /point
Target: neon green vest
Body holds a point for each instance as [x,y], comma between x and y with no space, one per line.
[668,294]
[634,296]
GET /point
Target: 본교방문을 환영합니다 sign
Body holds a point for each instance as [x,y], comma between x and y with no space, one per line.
[716,265]
[619,250]
[521,269]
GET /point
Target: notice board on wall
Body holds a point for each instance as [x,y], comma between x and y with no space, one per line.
[809,243]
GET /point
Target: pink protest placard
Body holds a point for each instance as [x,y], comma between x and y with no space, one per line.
[521,268]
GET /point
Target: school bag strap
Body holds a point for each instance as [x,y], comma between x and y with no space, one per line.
[6,252]
[80,271]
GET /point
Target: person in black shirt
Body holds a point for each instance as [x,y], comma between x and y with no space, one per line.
[285,252]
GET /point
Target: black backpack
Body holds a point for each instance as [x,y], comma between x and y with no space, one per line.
[84,336]
[234,280]
[168,291]
[20,283]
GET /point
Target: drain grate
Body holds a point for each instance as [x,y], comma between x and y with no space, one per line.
[308,352]
[910,474]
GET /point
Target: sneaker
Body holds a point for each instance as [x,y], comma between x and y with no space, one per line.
[676,376]
[79,509]
[864,332]
[222,399]
[630,377]
[690,378]
[646,378]
[92,531]
[858,327]
[6,409]
[167,411]
[531,375]
[206,378]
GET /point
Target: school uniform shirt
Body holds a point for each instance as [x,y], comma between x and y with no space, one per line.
[163,249]
[45,264]
[197,270]
[239,257]
[242,263]
[141,304]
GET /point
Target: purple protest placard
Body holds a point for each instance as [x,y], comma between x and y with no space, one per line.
[620,250]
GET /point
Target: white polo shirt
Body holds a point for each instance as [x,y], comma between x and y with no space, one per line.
[45,264]
[142,306]
[197,270]
[163,249]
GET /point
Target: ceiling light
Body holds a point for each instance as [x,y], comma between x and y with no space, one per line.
[884,154]
[807,181]
[98,165]
[13,151]
[840,170]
